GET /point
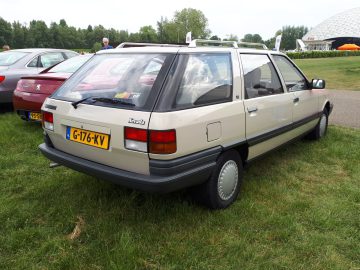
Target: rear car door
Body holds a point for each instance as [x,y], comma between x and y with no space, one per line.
[268,107]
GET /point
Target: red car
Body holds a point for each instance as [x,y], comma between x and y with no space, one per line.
[31,91]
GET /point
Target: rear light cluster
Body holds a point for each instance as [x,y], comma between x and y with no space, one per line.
[154,141]
[20,86]
[2,78]
[48,120]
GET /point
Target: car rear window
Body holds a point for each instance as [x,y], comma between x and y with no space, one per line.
[70,65]
[125,78]
[9,58]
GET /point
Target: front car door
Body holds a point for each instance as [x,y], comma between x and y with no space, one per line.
[305,101]
[268,107]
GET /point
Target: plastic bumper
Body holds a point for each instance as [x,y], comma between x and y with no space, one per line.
[165,176]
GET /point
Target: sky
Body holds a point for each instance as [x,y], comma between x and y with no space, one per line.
[225,17]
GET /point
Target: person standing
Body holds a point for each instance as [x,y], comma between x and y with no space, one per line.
[106,44]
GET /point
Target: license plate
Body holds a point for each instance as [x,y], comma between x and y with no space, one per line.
[35,116]
[88,137]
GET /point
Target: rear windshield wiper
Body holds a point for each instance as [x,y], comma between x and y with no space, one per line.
[103,99]
[75,103]
[114,101]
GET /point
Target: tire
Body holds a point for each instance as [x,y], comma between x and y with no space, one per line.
[320,130]
[217,193]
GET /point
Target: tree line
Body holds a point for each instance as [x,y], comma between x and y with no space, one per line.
[60,35]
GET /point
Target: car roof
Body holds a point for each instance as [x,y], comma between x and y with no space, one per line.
[37,50]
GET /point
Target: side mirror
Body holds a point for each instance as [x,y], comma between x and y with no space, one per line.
[318,84]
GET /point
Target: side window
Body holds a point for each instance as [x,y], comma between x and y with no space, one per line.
[207,79]
[260,76]
[294,80]
[50,59]
[34,62]
[70,54]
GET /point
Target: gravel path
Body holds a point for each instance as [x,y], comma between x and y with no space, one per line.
[346,110]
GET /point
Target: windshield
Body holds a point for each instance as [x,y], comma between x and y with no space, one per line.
[9,58]
[70,65]
[126,77]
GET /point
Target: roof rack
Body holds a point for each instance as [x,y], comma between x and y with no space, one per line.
[195,42]
[135,44]
[234,44]
[251,44]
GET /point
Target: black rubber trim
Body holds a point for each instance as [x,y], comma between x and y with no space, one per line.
[269,135]
[151,183]
[248,162]
[51,107]
[175,166]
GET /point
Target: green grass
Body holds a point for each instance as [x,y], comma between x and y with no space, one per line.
[299,209]
[339,72]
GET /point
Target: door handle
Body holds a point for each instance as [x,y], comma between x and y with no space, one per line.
[296,100]
[252,109]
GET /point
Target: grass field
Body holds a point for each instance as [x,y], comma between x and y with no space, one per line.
[299,209]
[339,72]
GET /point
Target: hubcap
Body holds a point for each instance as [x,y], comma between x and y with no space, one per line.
[323,125]
[228,180]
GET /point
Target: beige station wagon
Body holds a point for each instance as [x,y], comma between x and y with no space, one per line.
[162,117]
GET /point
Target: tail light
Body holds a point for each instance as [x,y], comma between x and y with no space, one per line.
[159,141]
[2,78]
[20,86]
[162,142]
[48,120]
[136,139]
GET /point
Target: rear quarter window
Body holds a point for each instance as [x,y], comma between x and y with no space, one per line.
[206,79]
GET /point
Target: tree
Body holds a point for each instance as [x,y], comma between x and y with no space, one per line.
[18,33]
[160,29]
[256,38]
[5,33]
[290,34]
[231,37]
[148,34]
[39,35]
[96,47]
[191,20]
[215,38]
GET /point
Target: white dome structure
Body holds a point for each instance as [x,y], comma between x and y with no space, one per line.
[339,29]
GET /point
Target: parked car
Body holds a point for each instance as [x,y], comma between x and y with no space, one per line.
[15,64]
[31,91]
[208,111]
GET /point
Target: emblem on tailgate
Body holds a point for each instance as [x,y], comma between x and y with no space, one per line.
[38,87]
[137,122]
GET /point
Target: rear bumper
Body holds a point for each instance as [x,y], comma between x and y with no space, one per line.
[165,176]
[28,101]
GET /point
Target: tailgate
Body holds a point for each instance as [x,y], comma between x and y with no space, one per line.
[96,133]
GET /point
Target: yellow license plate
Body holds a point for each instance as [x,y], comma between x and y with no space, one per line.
[35,116]
[88,137]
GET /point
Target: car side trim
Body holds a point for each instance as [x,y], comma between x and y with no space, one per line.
[168,167]
[273,133]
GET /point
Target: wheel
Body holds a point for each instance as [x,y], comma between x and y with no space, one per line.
[320,130]
[223,186]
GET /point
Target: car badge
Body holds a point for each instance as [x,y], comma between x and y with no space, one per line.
[38,87]
[137,122]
